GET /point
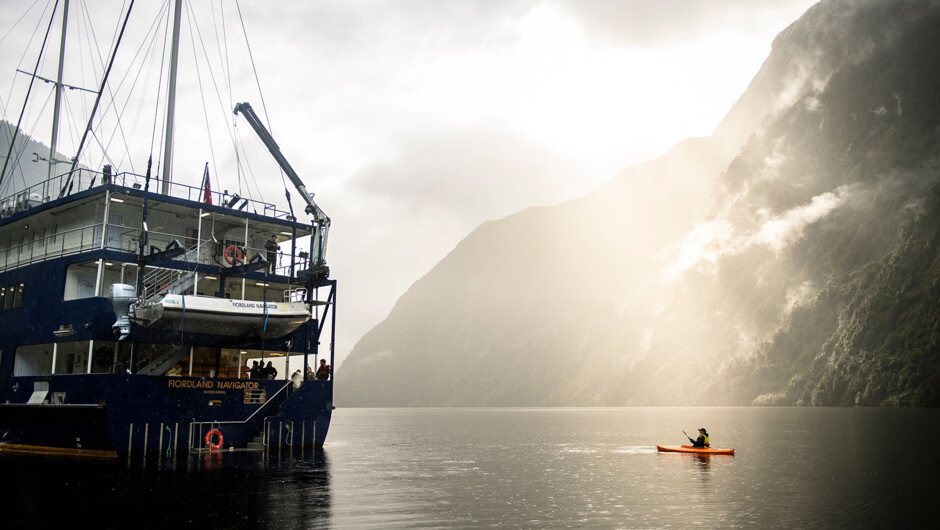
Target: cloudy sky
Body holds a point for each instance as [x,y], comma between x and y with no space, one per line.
[416,120]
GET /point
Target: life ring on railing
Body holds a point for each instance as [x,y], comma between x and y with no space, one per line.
[229,258]
[209,435]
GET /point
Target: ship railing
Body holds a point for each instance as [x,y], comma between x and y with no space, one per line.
[295,295]
[61,186]
[198,429]
[282,259]
[74,241]
[56,245]
[160,360]
[85,179]
[166,281]
[123,238]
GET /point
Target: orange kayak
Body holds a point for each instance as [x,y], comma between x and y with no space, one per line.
[694,450]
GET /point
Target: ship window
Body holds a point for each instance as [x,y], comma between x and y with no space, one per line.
[18,297]
[34,359]
[80,280]
[11,297]
[72,357]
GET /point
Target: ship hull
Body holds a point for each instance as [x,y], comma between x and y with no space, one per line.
[55,429]
[107,415]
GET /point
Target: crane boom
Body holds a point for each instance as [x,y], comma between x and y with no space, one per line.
[321,221]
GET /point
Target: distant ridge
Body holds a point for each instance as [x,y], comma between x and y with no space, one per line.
[791,258]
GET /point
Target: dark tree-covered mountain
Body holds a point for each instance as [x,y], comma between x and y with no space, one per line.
[790,258]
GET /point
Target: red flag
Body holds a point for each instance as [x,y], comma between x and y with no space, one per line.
[207,189]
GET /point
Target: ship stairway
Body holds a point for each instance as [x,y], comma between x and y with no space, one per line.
[161,282]
[161,360]
[257,443]
[259,421]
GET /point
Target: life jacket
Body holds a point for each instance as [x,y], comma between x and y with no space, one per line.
[706,440]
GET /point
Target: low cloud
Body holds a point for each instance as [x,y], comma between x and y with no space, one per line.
[780,231]
[711,240]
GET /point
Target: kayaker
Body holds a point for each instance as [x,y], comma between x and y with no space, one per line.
[702,440]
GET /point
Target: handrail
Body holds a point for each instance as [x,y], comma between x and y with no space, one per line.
[153,357]
[200,424]
[252,415]
[73,241]
[85,179]
[295,295]
[172,280]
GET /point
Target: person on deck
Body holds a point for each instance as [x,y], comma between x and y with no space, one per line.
[269,371]
[323,372]
[702,440]
[272,247]
[255,372]
[309,374]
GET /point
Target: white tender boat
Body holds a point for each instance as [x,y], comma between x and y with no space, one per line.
[222,316]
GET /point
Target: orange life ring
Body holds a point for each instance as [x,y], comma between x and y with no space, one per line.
[228,254]
[212,446]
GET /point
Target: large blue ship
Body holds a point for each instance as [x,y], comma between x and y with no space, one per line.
[132,309]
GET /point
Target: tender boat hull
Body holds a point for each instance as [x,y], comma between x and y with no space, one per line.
[222,316]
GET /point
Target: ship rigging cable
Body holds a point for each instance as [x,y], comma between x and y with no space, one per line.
[104,132]
[98,99]
[31,81]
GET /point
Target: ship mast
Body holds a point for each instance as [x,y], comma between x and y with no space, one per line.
[171,101]
[58,95]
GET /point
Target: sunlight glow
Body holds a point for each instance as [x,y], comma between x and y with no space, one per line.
[604,107]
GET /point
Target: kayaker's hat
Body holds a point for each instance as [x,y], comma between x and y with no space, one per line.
[702,430]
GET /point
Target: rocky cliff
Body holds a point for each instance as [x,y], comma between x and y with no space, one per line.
[790,258]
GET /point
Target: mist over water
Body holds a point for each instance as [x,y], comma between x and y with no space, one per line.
[520,468]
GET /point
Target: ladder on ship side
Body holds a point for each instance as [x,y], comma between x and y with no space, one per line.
[161,360]
[160,282]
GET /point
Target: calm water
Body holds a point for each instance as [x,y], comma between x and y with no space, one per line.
[519,468]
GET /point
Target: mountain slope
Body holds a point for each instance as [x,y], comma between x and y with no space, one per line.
[790,258]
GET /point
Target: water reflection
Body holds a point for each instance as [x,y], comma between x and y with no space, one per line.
[704,461]
[476,468]
[290,488]
[305,500]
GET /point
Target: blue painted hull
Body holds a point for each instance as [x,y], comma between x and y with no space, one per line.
[114,414]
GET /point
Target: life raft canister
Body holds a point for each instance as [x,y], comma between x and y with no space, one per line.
[209,435]
[233,254]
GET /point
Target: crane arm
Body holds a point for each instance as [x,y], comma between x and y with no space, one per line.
[320,219]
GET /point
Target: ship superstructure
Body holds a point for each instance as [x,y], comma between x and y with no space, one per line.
[132,309]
